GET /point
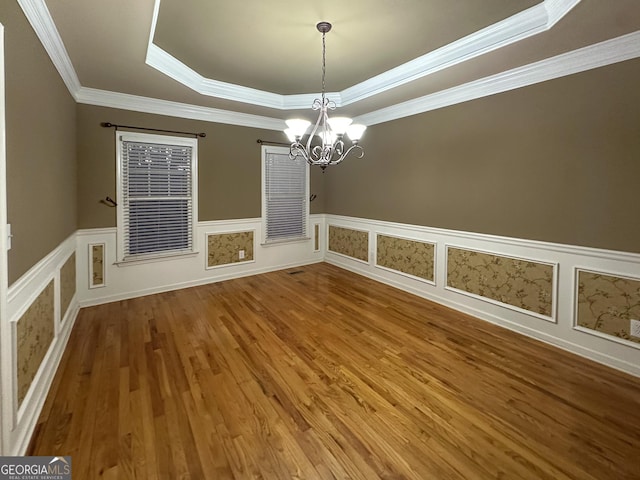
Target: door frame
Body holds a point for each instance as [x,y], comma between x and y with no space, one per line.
[5,330]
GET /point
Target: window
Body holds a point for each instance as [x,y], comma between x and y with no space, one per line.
[156,195]
[285,195]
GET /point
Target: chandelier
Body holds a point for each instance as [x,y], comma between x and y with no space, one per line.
[331,131]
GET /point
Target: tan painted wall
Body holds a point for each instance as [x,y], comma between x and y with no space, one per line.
[228,175]
[557,161]
[41,146]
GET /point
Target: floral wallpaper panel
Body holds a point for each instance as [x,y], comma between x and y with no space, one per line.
[97,265]
[607,303]
[521,283]
[67,284]
[408,256]
[224,248]
[34,334]
[353,243]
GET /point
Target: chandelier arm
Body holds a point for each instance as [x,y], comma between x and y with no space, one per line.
[338,148]
[351,149]
[297,149]
[320,122]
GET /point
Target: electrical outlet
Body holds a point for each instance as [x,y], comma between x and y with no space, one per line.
[634,328]
[240,254]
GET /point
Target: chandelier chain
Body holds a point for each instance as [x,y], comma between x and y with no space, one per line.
[324,64]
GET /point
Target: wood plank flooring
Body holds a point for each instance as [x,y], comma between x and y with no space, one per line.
[318,373]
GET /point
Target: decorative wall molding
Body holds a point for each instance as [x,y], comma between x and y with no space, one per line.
[605,309]
[146,279]
[508,301]
[349,242]
[34,334]
[175,273]
[67,283]
[97,277]
[405,269]
[231,243]
[316,237]
[22,294]
[561,334]
[27,415]
[25,290]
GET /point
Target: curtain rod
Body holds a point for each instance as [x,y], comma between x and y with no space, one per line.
[267,142]
[109,125]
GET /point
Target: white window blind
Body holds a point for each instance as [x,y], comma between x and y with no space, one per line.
[285,198]
[156,198]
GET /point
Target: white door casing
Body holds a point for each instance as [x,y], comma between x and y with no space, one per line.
[5,331]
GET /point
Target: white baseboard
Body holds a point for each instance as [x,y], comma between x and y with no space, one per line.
[193,283]
[146,279]
[27,415]
[502,321]
[124,282]
[22,294]
[562,334]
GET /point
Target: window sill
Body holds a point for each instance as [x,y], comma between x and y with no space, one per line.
[274,243]
[155,258]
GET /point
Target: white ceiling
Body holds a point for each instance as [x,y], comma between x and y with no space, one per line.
[255,63]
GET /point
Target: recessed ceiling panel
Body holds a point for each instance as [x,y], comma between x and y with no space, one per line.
[274,46]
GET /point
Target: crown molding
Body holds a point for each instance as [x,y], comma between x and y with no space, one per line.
[605,53]
[124,101]
[532,21]
[40,19]
[557,9]
[174,68]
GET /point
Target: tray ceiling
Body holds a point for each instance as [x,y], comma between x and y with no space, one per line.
[264,58]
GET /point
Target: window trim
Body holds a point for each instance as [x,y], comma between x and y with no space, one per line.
[121,136]
[267,149]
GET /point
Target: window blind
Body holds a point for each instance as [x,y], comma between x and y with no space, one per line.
[157,198]
[285,195]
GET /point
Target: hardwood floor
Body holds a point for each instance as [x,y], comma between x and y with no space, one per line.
[318,373]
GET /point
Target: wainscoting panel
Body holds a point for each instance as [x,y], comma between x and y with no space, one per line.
[42,309]
[217,258]
[34,334]
[225,248]
[67,284]
[96,265]
[412,257]
[349,242]
[526,286]
[521,283]
[606,305]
